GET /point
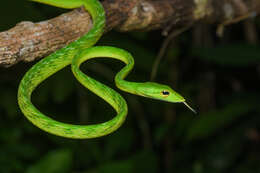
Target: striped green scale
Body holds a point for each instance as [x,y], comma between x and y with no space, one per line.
[76,53]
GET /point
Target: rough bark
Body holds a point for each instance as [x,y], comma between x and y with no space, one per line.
[28,41]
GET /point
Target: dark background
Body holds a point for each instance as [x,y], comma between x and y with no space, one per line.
[219,77]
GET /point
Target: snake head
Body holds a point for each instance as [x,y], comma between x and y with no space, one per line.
[161,92]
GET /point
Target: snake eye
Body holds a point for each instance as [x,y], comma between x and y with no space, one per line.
[165,93]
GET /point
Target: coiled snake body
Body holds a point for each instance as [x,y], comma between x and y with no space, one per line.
[76,53]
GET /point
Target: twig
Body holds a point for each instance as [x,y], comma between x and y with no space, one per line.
[163,48]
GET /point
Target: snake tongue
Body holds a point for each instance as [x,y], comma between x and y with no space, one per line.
[186,104]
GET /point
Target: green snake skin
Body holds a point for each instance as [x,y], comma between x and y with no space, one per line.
[76,53]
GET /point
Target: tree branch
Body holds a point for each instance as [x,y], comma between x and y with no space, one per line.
[28,41]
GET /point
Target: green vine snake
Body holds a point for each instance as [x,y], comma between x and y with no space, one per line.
[76,53]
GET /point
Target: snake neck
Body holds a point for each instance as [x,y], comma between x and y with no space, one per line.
[136,88]
[128,86]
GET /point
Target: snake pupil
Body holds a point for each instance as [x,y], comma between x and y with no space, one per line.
[166,93]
